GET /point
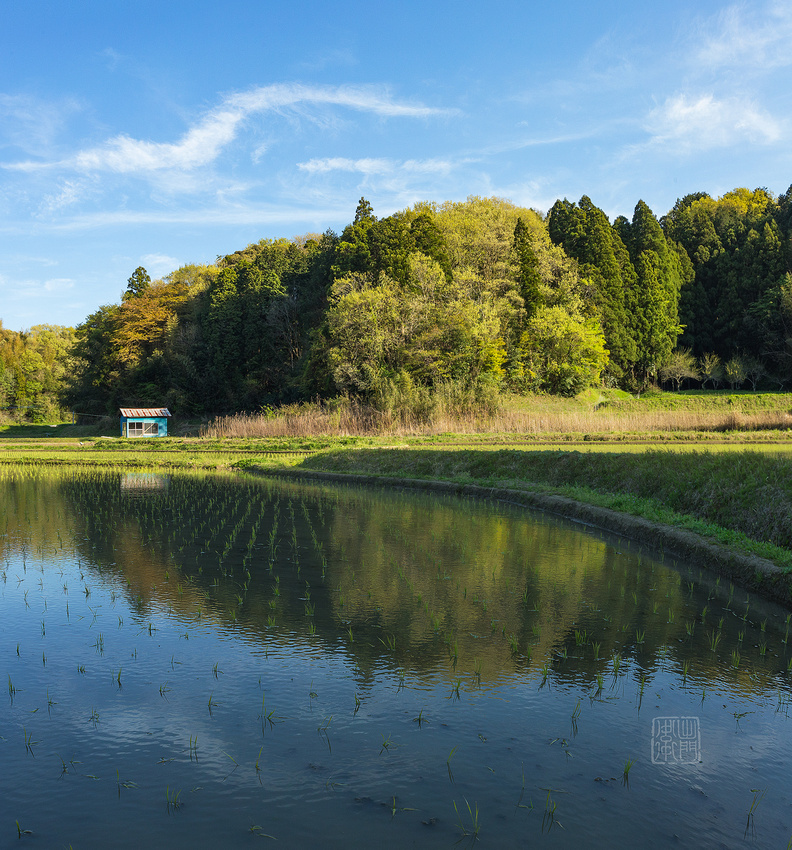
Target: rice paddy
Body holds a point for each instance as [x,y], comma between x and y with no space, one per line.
[224,661]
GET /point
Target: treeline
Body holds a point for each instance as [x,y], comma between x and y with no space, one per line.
[455,303]
[33,370]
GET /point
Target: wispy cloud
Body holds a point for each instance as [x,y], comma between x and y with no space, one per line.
[70,192]
[32,124]
[376,166]
[29,288]
[231,216]
[58,284]
[756,35]
[158,265]
[204,141]
[688,124]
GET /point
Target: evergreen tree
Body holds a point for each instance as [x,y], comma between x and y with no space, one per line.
[137,284]
[528,280]
[586,234]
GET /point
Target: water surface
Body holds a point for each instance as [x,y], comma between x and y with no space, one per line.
[225,661]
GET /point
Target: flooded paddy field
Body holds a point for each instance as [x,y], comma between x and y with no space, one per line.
[223,661]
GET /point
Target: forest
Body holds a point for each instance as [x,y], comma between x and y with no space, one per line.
[460,302]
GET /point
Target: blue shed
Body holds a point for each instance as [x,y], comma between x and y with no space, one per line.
[144,421]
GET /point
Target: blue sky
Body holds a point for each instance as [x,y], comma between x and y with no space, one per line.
[164,133]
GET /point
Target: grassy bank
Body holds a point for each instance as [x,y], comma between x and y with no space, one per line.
[741,499]
[595,414]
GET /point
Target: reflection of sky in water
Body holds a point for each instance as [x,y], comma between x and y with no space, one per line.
[489,623]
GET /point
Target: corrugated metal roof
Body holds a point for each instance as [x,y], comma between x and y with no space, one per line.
[143,412]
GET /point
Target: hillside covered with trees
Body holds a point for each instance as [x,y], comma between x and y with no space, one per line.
[463,301]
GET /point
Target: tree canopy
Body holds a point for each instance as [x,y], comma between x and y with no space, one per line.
[469,297]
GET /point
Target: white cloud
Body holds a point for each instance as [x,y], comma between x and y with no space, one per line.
[376,166]
[32,124]
[756,35]
[694,124]
[199,146]
[70,192]
[339,163]
[215,217]
[58,284]
[158,265]
[29,289]
[203,142]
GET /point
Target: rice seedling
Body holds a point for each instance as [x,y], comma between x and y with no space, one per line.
[172,799]
[387,744]
[21,832]
[94,718]
[641,687]
[762,648]
[29,742]
[474,827]
[639,636]
[704,613]
[448,763]
[685,670]
[549,819]
[758,796]
[194,748]
[626,772]
[581,637]
[714,640]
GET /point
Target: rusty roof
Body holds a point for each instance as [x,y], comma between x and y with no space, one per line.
[144,412]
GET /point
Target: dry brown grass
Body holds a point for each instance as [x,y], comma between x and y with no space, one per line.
[352,419]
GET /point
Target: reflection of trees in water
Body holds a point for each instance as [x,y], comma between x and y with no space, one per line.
[405,580]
